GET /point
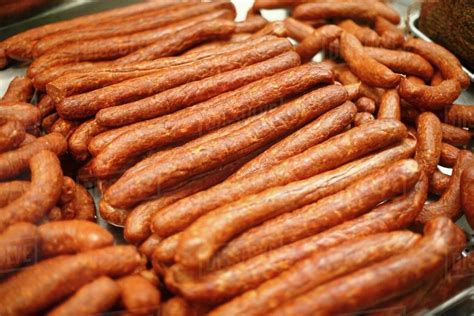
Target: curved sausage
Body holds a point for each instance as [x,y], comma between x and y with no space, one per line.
[14,162]
[317,40]
[334,152]
[12,134]
[93,298]
[81,137]
[382,280]
[44,192]
[365,67]
[233,280]
[297,29]
[429,137]
[72,236]
[33,289]
[20,89]
[390,36]
[449,204]
[17,243]
[318,269]
[139,296]
[364,34]
[201,240]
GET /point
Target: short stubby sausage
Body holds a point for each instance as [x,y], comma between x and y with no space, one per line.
[14,162]
[201,240]
[381,281]
[17,243]
[70,237]
[33,289]
[389,106]
[365,67]
[19,90]
[429,137]
[93,298]
[44,192]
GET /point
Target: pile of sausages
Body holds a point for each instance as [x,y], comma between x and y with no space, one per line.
[249,179]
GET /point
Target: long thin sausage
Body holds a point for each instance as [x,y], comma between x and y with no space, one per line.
[334,152]
[200,241]
[186,162]
[44,192]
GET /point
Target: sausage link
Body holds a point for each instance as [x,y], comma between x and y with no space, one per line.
[346,77]
[460,115]
[365,104]
[390,36]
[139,296]
[364,34]
[24,113]
[46,106]
[120,27]
[252,24]
[363,118]
[44,192]
[185,162]
[321,10]
[324,127]
[229,282]
[318,269]
[149,245]
[176,306]
[439,183]
[334,152]
[113,215]
[12,134]
[441,58]
[297,29]
[365,67]
[64,127]
[81,207]
[449,155]
[14,162]
[49,121]
[21,45]
[164,79]
[33,289]
[165,251]
[137,225]
[68,191]
[17,243]
[19,90]
[201,240]
[194,92]
[72,236]
[91,76]
[272,4]
[316,41]
[455,136]
[10,191]
[381,281]
[449,204]
[429,97]
[437,78]
[81,137]
[467,193]
[210,114]
[429,137]
[93,298]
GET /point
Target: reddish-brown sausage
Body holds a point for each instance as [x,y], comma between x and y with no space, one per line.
[44,192]
[46,105]
[381,281]
[17,243]
[318,39]
[334,152]
[93,298]
[390,36]
[317,269]
[439,183]
[429,137]
[14,162]
[297,29]
[460,115]
[64,127]
[449,155]
[12,134]
[81,137]
[24,113]
[364,34]
[81,207]
[201,240]
[365,67]
[252,24]
[365,104]
[139,296]
[449,204]
[185,162]
[362,118]
[455,136]
[33,289]
[19,90]
[467,193]
[238,278]
[10,191]
[389,106]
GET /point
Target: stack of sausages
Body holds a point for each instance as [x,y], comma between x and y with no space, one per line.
[253,180]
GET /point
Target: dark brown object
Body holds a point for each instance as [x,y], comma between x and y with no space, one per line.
[33,289]
[93,298]
[14,162]
[17,243]
[19,90]
[365,67]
